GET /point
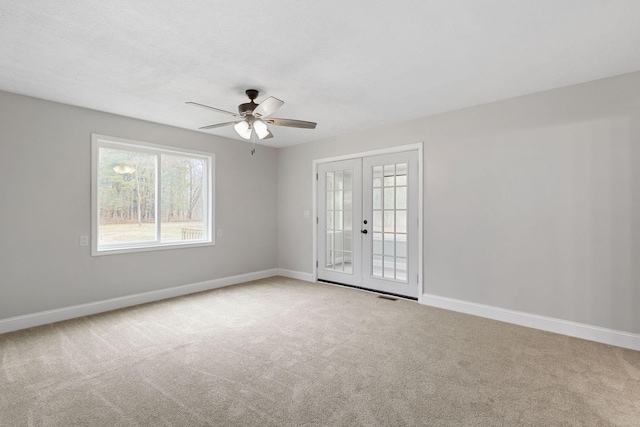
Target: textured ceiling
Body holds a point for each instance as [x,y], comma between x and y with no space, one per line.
[344,64]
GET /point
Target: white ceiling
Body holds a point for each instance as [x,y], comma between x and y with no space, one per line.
[344,64]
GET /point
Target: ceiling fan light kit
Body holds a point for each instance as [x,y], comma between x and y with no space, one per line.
[243,129]
[253,118]
[261,129]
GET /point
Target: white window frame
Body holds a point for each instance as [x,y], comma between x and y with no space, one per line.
[102,141]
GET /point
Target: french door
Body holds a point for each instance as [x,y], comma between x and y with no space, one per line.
[368,222]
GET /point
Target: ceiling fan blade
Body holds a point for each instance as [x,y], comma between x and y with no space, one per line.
[267,107]
[213,108]
[218,125]
[291,123]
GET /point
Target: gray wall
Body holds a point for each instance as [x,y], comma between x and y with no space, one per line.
[531,204]
[45,206]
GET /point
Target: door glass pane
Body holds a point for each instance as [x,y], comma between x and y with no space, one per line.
[348,241]
[389,221]
[389,175]
[389,267]
[338,240]
[329,178]
[337,260]
[377,243]
[347,265]
[338,181]
[339,199]
[348,200]
[330,200]
[389,244]
[401,269]
[401,221]
[338,224]
[377,198]
[389,199]
[376,266]
[348,179]
[401,174]
[377,176]
[328,261]
[330,244]
[401,198]
[348,220]
[377,221]
[330,220]
[401,245]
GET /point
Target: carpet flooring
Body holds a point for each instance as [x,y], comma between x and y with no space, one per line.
[281,352]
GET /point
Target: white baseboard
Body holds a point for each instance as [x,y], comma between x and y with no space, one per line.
[550,324]
[307,277]
[65,313]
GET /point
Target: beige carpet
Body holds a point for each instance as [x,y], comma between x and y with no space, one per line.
[280,352]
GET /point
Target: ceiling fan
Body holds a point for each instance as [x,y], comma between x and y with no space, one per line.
[254,118]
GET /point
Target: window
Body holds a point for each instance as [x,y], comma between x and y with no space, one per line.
[147,197]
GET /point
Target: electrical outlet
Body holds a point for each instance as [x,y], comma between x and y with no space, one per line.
[305,214]
[84,240]
[219,232]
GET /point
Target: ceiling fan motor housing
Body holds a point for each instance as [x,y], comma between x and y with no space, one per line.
[248,107]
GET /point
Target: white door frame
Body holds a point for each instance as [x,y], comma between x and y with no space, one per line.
[390,150]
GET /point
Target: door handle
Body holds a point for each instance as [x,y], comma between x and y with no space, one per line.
[364,231]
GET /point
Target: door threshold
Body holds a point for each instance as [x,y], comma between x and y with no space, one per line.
[368,290]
